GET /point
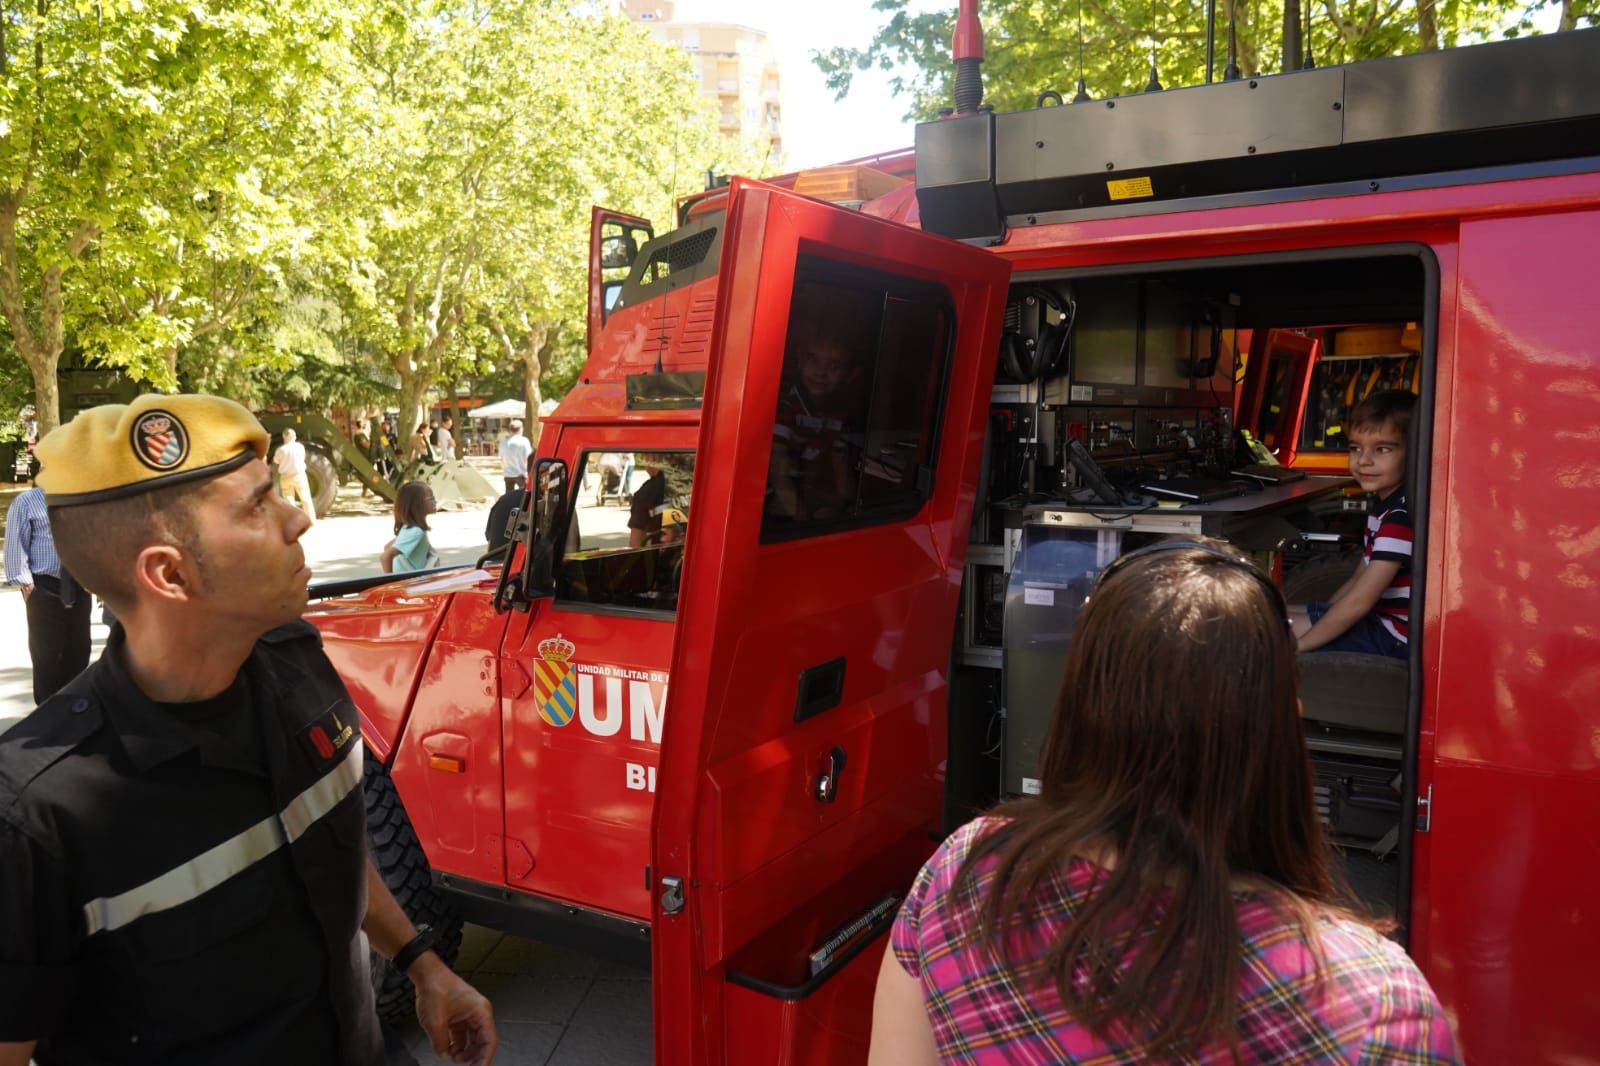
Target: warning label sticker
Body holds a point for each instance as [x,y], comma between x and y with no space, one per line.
[1130,188]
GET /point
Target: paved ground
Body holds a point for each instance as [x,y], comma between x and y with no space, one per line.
[552,1007]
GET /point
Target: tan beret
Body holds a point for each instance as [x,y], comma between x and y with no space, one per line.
[155,441]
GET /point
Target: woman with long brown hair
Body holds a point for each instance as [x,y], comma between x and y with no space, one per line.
[1167,895]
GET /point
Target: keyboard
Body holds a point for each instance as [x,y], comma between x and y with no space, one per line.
[1270,472]
[1193,489]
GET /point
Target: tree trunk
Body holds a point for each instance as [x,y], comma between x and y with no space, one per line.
[412,413]
[46,392]
[169,359]
[37,351]
[1427,25]
[1291,34]
[1569,16]
[532,367]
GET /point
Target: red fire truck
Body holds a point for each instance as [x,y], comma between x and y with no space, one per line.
[836,475]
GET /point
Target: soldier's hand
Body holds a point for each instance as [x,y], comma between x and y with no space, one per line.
[457,1018]
[27,590]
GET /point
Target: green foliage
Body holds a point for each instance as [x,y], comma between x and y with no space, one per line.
[151,156]
[298,201]
[1032,46]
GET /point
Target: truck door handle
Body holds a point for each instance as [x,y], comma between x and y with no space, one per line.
[827,787]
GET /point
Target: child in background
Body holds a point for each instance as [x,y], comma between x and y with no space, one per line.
[1371,612]
[410,550]
[816,434]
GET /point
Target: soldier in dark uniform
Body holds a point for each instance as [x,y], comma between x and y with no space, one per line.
[182,831]
[647,504]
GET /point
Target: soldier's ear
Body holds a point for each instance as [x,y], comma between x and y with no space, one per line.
[162,572]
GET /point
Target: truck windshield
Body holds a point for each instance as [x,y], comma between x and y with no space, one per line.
[630,519]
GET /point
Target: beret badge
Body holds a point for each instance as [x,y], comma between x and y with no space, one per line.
[159,440]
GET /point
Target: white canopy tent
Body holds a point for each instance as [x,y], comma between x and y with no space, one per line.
[502,409]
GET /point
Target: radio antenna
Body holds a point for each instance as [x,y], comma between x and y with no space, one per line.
[1231,71]
[1211,37]
[966,47]
[1082,95]
[1310,61]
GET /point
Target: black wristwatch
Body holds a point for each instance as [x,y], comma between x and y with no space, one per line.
[409,954]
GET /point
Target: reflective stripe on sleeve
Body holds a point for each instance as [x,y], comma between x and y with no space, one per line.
[233,856]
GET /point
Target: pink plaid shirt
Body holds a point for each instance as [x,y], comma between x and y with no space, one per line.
[1374,1007]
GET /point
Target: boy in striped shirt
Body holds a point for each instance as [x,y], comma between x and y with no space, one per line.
[1371,612]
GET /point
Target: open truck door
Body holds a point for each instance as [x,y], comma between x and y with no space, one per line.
[802,762]
[614,243]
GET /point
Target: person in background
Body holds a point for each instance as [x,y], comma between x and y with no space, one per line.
[421,445]
[410,549]
[29,417]
[1166,897]
[494,531]
[817,433]
[182,852]
[514,453]
[57,607]
[611,471]
[647,504]
[444,442]
[363,440]
[290,459]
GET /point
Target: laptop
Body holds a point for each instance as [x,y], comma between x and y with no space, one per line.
[1193,489]
[1270,473]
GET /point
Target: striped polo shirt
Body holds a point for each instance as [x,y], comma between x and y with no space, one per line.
[1388,539]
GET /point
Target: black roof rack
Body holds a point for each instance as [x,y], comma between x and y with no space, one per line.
[1532,100]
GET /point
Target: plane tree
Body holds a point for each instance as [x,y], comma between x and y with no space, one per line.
[1033,47]
[147,166]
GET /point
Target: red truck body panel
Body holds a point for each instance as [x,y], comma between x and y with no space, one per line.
[738,820]
[1504,869]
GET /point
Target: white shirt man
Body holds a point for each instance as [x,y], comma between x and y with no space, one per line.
[515,451]
[444,442]
[290,459]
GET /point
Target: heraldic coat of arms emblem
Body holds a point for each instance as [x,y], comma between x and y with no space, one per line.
[554,680]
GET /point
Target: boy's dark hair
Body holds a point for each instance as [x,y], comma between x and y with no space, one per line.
[1389,407]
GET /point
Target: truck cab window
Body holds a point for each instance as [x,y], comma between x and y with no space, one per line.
[864,367]
[630,518]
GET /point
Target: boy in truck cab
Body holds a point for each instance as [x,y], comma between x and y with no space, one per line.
[1370,612]
[817,434]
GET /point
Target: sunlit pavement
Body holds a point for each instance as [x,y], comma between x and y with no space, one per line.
[552,1007]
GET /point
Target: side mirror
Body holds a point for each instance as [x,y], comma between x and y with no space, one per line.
[618,250]
[540,534]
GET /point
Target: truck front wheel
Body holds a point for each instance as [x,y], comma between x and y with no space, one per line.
[398,856]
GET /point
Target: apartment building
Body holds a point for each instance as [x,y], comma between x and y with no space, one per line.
[734,65]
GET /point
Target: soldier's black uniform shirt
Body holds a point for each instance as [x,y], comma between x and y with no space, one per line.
[185,884]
